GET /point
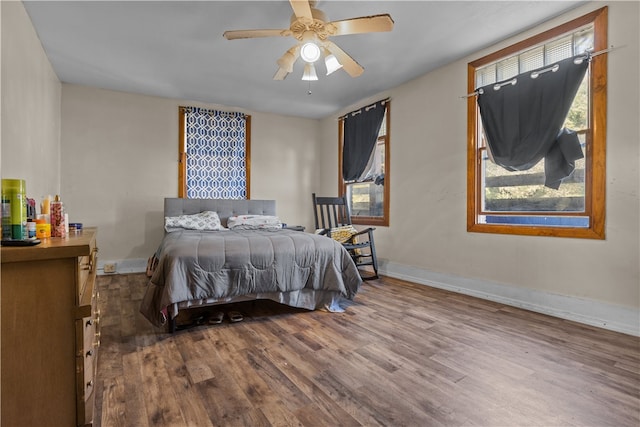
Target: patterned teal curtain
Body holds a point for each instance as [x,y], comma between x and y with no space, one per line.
[216,154]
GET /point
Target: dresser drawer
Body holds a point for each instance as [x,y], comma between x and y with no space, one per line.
[86,274]
[88,325]
[85,369]
[84,266]
[85,389]
[87,344]
[87,340]
[91,336]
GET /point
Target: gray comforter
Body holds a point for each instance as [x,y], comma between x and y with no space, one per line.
[298,269]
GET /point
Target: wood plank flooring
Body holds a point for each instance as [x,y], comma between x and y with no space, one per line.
[401,355]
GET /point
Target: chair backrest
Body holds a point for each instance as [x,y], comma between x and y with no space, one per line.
[330,212]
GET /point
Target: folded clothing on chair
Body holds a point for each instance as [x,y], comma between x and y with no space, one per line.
[343,234]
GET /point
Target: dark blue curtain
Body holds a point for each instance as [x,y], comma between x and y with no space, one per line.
[360,135]
[523,122]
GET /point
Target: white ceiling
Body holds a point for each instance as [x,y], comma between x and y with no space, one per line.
[175,49]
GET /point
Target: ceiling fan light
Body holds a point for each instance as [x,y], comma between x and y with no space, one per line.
[310,52]
[332,63]
[309,72]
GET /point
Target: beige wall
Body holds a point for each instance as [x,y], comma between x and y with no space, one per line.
[119,161]
[30,106]
[113,160]
[428,187]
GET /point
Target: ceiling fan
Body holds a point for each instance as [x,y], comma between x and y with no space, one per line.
[309,26]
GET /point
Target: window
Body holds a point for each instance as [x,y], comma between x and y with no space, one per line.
[501,201]
[214,154]
[368,197]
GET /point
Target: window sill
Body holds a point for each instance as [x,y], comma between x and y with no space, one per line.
[527,230]
[365,220]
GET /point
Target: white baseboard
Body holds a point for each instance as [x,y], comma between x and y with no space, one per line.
[595,313]
[124,266]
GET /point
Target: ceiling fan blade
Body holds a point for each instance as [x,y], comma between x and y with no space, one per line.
[365,24]
[301,9]
[286,61]
[348,63]
[249,34]
[280,74]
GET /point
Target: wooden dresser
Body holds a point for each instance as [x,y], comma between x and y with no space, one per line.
[49,332]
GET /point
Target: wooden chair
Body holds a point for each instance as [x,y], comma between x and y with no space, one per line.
[333,212]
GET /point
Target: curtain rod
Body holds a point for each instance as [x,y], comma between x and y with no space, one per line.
[600,52]
[210,110]
[354,112]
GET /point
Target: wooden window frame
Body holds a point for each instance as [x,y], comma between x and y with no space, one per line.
[182,154]
[595,167]
[342,187]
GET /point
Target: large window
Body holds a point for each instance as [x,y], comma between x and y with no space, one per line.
[520,201]
[214,149]
[368,196]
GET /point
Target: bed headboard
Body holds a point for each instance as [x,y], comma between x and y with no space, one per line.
[224,207]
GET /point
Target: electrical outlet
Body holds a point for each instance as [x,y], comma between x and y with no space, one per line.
[109,268]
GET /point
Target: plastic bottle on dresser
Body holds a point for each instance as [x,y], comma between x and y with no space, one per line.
[45,209]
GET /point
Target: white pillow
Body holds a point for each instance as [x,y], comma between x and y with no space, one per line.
[254,222]
[207,220]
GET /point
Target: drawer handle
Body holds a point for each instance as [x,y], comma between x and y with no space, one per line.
[89,323]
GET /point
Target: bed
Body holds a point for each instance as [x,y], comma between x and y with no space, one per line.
[198,265]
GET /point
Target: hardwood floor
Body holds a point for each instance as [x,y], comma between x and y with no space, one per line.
[401,355]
